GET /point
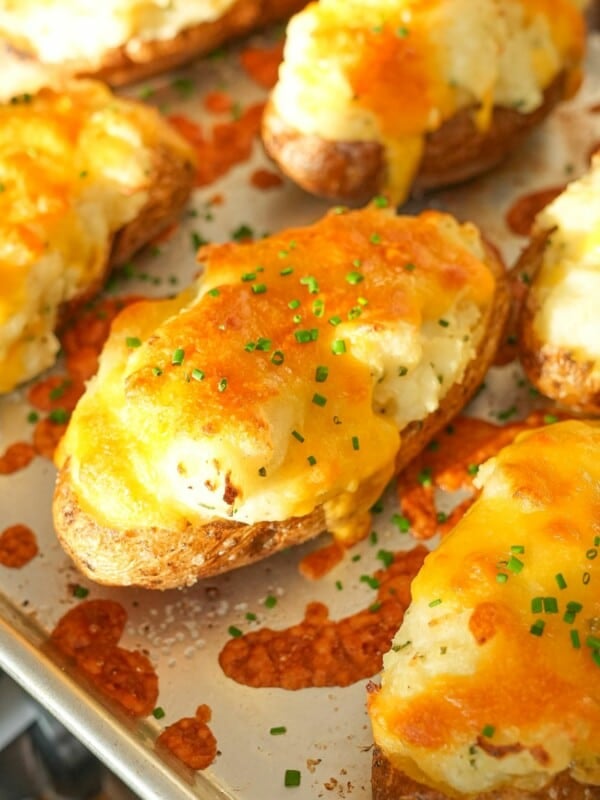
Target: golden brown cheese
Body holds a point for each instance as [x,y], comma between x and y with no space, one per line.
[391,72]
[493,679]
[75,167]
[280,381]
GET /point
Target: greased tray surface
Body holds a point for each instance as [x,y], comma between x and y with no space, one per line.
[328,736]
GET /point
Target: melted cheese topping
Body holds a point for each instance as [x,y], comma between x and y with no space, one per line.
[301,356]
[79,30]
[485,686]
[567,286]
[74,168]
[391,72]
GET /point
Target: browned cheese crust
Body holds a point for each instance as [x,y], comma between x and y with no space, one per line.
[355,171]
[553,370]
[156,558]
[124,65]
[388,783]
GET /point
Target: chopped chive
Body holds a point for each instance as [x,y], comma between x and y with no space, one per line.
[247,277]
[424,477]
[402,371]
[338,347]
[537,603]
[158,712]
[297,318]
[443,323]
[133,341]
[319,400]
[197,240]
[375,238]
[593,642]
[214,292]
[294,304]
[402,523]
[380,201]
[286,271]
[197,374]
[592,553]
[270,601]
[575,640]
[33,416]
[242,232]
[235,632]
[259,288]
[355,443]
[435,603]
[318,307]
[292,777]
[222,385]
[397,647]
[335,320]
[354,277]
[250,347]
[178,357]
[157,371]
[305,336]
[488,731]
[339,586]
[377,507]
[596,657]
[80,591]
[311,460]
[550,419]
[298,436]
[374,537]
[473,469]
[560,580]
[374,607]
[409,266]
[277,358]
[278,730]
[371,581]
[386,557]
[514,565]
[537,629]
[321,374]
[262,472]
[59,415]
[441,517]
[519,549]
[311,282]
[550,605]
[402,32]
[501,577]
[250,616]
[264,345]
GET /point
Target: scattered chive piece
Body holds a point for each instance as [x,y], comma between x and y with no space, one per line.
[593,642]
[591,553]
[375,238]
[80,591]
[321,374]
[305,336]
[249,276]
[222,385]
[424,477]
[537,629]
[536,605]
[550,419]
[319,400]
[501,577]
[473,469]
[242,232]
[235,632]
[318,307]
[488,731]
[596,657]
[356,557]
[259,288]
[59,415]
[442,517]
[311,460]
[262,472]
[250,347]
[515,565]
[213,292]
[397,647]
[402,523]
[550,605]
[517,548]
[297,318]
[158,712]
[339,586]
[372,582]
[311,282]
[355,443]
[133,341]
[33,416]
[402,31]
[264,345]
[443,323]
[294,304]
[292,777]
[338,347]
[197,374]
[286,271]
[402,371]
[409,266]
[386,557]
[380,201]
[270,601]
[354,277]
[251,617]
[278,731]
[197,240]
[374,607]
[560,580]
[157,371]
[277,358]
[377,507]
[335,320]
[298,436]
[435,603]
[575,640]
[178,357]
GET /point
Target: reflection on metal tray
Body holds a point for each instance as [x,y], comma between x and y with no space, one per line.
[328,735]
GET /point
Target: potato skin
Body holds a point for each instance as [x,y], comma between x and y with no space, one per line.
[355,171]
[163,559]
[553,370]
[389,783]
[124,65]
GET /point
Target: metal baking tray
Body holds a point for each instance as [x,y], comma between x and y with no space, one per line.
[328,733]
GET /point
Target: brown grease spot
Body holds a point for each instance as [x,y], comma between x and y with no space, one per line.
[88,635]
[18,546]
[265,179]
[191,740]
[319,651]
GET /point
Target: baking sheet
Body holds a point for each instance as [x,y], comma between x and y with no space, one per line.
[328,735]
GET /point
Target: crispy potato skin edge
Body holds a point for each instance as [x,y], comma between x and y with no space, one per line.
[155,558]
[355,171]
[553,370]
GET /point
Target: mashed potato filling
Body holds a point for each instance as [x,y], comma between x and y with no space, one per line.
[280,382]
[568,284]
[391,72]
[74,169]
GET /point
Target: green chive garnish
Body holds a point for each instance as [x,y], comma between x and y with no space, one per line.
[338,347]
[354,277]
[298,436]
[133,341]
[235,632]
[402,523]
[222,385]
[311,460]
[277,358]
[321,374]
[270,601]
[259,288]
[355,443]
[80,591]
[278,731]
[158,713]
[560,580]
[178,357]
[292,777]
[537,629]
[435,603]
[319,400]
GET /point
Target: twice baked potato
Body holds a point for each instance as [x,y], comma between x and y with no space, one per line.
[408,96]
[559,326]
[85,180]
[491,689]
[277,396]
[119,41]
